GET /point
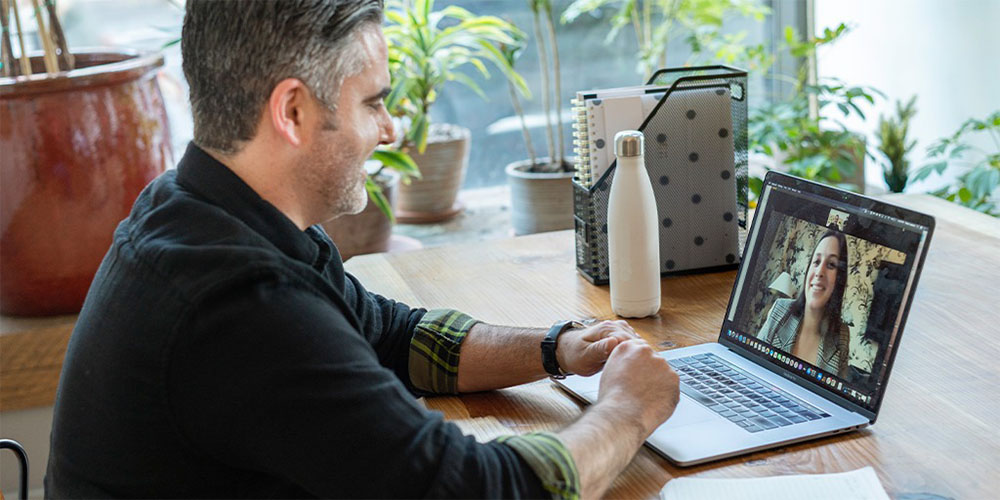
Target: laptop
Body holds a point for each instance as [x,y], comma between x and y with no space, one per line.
[767,382]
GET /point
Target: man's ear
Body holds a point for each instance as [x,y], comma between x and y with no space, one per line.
[286,107]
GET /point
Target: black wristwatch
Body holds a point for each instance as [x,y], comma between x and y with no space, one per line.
[549,361]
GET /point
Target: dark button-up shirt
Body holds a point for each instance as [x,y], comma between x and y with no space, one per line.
[223,352]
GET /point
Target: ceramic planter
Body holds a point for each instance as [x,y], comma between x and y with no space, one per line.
[78,147]
[540,202]
[434,197]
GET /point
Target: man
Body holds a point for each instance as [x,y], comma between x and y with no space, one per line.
[222,350]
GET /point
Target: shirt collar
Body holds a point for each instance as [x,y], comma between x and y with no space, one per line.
[207,177]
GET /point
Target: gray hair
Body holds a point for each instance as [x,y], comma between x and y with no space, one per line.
[235,51]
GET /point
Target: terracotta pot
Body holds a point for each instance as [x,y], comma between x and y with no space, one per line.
[368,231]
[78,147]
[442,166]
[540,202]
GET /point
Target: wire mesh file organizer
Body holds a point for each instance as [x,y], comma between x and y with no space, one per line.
[696,158]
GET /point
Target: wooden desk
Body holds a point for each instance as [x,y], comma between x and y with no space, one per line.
[936,431]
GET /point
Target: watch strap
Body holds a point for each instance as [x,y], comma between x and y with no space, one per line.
[549,343]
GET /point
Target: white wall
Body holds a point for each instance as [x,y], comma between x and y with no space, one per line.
[947,52]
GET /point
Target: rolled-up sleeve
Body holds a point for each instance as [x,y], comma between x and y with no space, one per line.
[433,365]
[273,380]
[551,461]
[434,350]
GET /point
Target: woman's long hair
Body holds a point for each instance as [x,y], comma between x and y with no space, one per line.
[832,313]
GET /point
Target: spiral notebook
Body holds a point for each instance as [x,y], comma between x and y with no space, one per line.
[600,114]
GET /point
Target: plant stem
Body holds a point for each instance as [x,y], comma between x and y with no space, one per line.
[556,73]
[51,63]
[668,20]
[647,24]
[6,51]
[543,63]
[524,126]
[58,36]
[25,62]
[641,40]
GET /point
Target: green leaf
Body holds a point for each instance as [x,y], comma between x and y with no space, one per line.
[398,161]
[790,36]
[378,197]
[965,195]
[958,151]
[579,7]
[419,136]
[928,169]
[756,184]
[398,91]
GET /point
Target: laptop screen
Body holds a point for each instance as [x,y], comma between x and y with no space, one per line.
[825,284]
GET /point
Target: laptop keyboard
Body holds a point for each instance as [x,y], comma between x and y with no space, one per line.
[740,397]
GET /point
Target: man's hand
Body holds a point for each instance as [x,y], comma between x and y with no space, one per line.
[639,385]
[638,392]
[583,351]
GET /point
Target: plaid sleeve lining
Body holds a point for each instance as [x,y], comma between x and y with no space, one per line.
[550,460]
[434,350]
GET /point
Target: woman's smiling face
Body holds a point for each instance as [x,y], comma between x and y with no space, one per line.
[821,279]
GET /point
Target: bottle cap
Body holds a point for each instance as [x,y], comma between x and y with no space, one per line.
[628,143]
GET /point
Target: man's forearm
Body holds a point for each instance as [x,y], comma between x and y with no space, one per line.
[501,356]
[602,443]
[498,356]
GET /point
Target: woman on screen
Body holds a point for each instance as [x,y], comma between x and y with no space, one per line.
[810,326]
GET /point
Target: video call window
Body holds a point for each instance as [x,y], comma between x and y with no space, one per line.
[825,286]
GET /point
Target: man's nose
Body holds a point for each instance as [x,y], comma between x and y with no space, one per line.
[388,129]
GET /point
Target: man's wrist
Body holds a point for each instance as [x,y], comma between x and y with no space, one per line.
[561,348]
[626,416]
[552,360]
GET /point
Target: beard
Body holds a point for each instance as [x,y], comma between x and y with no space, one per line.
[336,179]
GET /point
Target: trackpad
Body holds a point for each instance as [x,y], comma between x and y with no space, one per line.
[689,412]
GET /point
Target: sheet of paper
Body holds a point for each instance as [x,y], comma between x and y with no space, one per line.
[861,484]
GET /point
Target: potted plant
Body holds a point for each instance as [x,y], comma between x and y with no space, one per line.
[426,50]
[800,139]
[894,145]
[541,188]
[977,185]
[81,134]
[655,23]
[370,231]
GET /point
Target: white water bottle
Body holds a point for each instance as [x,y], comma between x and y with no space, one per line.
[633,236]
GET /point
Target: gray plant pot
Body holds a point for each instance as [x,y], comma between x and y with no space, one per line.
[540,202]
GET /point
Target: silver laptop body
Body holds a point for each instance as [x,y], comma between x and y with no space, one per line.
[742,393]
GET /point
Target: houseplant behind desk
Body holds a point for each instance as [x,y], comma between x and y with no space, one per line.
[541,189]
[423,56]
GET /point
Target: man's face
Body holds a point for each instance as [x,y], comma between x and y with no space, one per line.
[334,163]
